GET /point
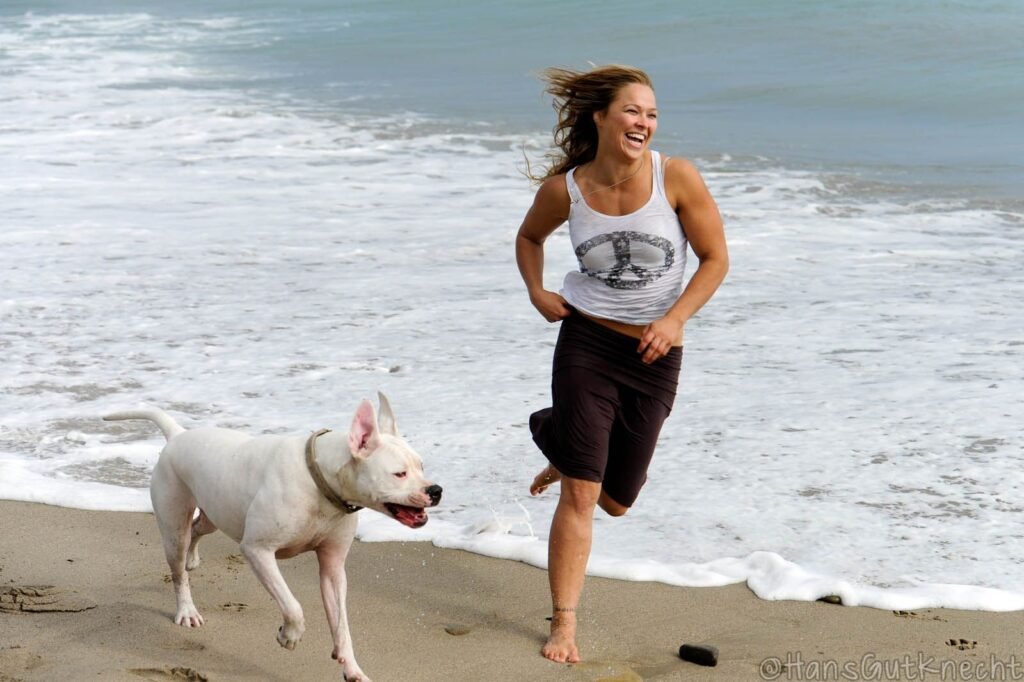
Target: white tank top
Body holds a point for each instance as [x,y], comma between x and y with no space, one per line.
[631,266]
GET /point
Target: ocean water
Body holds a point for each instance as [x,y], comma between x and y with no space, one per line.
[256,214]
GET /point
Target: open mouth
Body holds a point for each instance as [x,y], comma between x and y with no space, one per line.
[414,517]
[636,139]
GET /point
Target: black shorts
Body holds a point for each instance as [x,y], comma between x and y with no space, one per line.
[607,407]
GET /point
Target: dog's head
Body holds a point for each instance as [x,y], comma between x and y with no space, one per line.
[385,473]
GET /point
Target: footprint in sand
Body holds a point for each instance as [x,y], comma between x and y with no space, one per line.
[914,615]
[186,645]
[14,659]
[169,673]
[962,644]
[235,561]
[234,606]
[42,599]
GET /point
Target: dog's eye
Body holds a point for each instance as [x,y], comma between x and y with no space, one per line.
[401,474]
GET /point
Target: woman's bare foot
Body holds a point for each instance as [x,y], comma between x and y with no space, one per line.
[544,479]
[561,644]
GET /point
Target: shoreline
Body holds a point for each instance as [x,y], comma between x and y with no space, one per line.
[419,612]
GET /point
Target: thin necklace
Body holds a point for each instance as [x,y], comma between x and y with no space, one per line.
[643,161]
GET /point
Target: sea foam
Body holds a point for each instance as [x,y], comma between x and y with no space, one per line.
[848,420]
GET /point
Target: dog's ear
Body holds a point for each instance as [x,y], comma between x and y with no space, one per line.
[386,418]
[364,435]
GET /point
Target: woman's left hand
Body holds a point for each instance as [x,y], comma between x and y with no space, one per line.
[658,338]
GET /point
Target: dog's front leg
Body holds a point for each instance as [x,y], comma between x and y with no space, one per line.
[264,565]
[333,589]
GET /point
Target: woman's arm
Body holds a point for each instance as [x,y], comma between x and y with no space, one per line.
[699,217]
[549,210]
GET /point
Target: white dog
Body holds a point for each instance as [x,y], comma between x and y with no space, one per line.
[279,496]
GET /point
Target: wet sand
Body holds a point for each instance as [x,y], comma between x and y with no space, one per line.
[86,596]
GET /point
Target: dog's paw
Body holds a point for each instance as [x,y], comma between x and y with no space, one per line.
[288,635]
[350,671]
[354,675]
[187,616]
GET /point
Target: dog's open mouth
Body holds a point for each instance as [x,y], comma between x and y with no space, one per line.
[414,517]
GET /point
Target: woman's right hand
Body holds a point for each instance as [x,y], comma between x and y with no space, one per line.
[551,305]
[549,209]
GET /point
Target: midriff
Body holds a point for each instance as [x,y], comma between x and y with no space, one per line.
[634,330]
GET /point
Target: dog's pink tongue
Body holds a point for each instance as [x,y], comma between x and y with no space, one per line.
[412,517]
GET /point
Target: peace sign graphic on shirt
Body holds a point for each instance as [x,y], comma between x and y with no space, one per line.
[638,258]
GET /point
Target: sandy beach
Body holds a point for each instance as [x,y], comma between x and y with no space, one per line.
[86,595]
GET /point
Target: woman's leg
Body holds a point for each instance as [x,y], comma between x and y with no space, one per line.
[568,552]
[550,475]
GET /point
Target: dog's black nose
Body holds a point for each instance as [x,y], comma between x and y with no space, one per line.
[434,492]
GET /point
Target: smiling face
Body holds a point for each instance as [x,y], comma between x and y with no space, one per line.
[629,122]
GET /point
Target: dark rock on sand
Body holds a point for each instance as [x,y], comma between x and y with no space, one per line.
[701,654]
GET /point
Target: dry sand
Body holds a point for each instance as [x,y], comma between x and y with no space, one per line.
[108,614]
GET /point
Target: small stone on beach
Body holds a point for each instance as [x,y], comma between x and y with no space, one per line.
[832,599]
[457,629]
[701,654]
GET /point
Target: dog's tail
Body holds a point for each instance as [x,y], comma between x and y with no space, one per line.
[166,423]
